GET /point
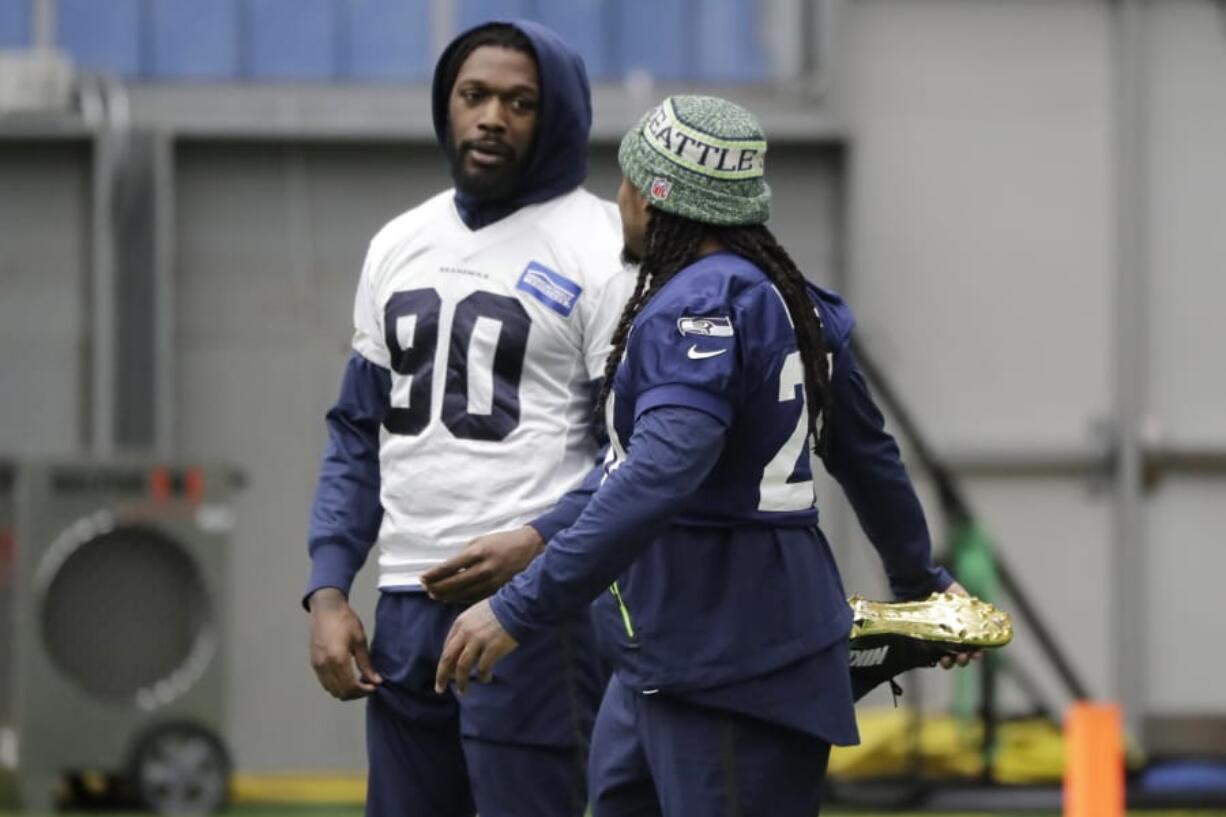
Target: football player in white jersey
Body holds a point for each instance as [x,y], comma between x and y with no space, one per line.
[482,322]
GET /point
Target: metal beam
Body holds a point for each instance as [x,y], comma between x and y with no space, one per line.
[104,106]
[164,296]
[102,301]
[1130,600]
[1031,462]
[402,113]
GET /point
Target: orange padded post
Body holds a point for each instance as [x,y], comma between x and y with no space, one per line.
[1093,760]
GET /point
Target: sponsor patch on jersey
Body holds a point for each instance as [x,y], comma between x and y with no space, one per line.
[708,326]
[553,289]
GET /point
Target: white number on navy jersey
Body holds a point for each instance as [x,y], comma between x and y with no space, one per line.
[484,363]
[616,454]
[778,491]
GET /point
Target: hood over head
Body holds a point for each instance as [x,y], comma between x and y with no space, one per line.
[557,160]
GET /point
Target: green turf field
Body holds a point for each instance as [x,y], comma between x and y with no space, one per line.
[356,811]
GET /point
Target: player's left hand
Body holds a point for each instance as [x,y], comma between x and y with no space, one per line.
[485,564]
[476,641]
[962,658]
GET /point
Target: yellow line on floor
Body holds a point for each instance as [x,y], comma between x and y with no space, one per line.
[326,788]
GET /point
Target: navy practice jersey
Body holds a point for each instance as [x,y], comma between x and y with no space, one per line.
[701,543]
[719,338]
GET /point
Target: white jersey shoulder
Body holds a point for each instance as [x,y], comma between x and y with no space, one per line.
[493,338]
[586,230]
[582,228]
[587,227]
[405,228]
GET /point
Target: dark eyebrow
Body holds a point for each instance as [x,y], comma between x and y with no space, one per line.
[479,85]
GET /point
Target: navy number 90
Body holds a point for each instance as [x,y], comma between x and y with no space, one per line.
[488,332]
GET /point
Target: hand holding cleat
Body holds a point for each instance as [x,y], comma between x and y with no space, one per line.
[946,628]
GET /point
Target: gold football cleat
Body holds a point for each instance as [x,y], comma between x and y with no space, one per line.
[947,618]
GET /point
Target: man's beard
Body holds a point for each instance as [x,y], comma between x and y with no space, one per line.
[629,257]
[486,183]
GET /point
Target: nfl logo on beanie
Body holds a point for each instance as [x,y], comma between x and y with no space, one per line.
[699,157]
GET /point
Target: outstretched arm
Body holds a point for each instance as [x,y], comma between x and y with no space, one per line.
[865,460]
[491,560]
[671,451]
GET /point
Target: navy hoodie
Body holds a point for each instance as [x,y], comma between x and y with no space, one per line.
[346,513]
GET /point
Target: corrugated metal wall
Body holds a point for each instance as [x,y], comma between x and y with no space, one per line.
[46,240]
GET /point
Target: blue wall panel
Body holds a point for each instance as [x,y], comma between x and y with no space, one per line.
[103,36]
[291,39]
[583,24]
[471,12]
[194,39]
[656,36]
[729,42]
[388,40]
[14,23]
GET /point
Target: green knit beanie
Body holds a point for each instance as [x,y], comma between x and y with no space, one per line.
[700,157]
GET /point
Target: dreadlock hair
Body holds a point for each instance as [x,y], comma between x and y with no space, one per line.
[672,243]
[502,35]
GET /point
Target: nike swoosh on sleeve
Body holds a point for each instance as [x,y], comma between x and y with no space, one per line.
[695,354]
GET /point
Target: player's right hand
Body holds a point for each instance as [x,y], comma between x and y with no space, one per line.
[484,565]
[338,645]
[962,658]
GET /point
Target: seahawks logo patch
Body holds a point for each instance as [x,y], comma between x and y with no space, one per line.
[708,326]
[551,288]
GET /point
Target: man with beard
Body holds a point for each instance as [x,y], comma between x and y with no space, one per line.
[482,323]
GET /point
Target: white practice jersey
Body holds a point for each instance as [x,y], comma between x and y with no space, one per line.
[493,338]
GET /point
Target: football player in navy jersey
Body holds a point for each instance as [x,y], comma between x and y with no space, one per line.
[482,321]
[717,596]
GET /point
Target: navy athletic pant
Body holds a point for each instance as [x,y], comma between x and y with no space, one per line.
[653,755]
[515,747]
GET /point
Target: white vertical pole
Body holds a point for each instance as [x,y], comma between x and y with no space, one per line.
[42,25]
[442,28]
[1130,598]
